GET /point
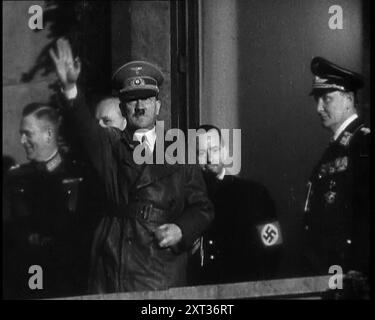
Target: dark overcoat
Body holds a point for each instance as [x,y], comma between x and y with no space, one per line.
[126,255]
[244,242]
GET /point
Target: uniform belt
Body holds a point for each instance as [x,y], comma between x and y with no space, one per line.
[141,210]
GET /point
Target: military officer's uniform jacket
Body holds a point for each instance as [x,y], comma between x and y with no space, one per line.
[48,223]
[337,211]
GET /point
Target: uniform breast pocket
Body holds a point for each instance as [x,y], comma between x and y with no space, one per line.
[20,202]
[71,190]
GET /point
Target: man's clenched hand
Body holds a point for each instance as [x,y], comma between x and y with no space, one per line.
[67,68]
[168,235]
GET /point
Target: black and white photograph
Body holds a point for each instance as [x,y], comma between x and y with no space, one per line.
[207,151]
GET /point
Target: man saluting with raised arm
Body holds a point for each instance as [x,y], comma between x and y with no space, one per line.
[157,210]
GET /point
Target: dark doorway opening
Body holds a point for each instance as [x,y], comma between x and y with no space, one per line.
[185,64]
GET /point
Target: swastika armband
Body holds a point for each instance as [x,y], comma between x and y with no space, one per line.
[270,233]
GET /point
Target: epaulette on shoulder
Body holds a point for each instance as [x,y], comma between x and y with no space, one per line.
[365,130]
[365,142]
[16,166]
[24,167]
[19,170]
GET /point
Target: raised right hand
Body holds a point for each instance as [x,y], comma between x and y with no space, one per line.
[67,68]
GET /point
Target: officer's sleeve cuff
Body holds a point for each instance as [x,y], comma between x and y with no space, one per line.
[71,93]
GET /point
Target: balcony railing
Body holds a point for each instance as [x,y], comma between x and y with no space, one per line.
[295,288]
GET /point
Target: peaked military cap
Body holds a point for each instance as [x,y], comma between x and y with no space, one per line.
[331,77]
[137,80]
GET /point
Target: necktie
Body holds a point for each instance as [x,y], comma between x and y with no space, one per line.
[146,151]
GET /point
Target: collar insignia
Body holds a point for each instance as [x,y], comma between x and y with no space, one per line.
[54,162]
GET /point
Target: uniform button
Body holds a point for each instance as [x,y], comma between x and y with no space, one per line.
[212,257]
[69,191]
[307,227]
[210,242]
[348,241]
[22,190]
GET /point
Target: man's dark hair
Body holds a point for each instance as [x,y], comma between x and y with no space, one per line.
[42,111]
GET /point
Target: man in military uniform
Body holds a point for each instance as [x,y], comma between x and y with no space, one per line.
[244,242]
[46,224]
[337,206]
[158,210]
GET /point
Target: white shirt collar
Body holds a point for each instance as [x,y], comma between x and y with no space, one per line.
[221,175]
[344,125]
[150,137]
[52,155]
